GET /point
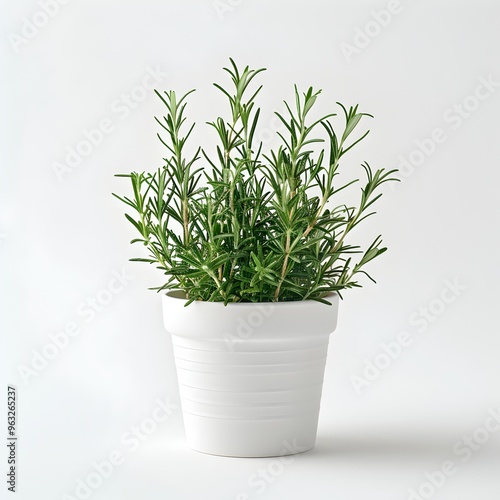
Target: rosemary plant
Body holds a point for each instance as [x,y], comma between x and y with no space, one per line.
[261,226]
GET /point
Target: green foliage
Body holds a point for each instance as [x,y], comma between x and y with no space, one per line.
[261,227]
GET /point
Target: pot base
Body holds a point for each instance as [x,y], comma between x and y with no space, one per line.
[250,438]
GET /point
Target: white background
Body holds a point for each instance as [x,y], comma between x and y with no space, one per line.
[62,239]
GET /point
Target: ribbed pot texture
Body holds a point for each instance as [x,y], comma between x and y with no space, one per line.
[250,375]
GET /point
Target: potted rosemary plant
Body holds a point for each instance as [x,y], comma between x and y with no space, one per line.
[254,247]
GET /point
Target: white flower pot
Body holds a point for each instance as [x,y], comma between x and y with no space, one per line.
[250,375]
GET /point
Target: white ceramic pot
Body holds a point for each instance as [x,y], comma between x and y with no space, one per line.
[250,375]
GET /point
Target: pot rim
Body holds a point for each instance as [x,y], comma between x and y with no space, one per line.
[179,294]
